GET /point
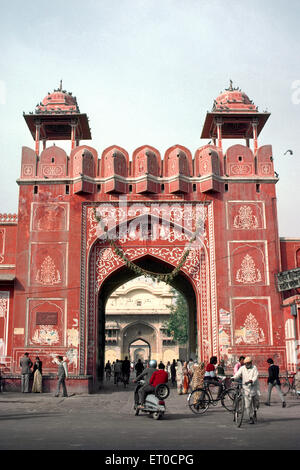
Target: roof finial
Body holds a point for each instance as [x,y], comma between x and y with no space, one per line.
[60,85]
[230,86]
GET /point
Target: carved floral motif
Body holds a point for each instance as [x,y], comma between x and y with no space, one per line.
[250,332]
[48,275]
[248,273]
[245,219]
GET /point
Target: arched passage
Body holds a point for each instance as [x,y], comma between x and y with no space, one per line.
[122,275]
[138,332]
[139,349]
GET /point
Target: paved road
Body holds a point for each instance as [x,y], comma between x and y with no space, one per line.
[106,421]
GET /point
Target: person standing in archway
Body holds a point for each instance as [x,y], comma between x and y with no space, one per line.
[126,370]
[179,377]
[173,372]
[139,367]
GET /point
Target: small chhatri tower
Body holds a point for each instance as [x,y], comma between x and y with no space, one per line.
[234,116]
[58,117]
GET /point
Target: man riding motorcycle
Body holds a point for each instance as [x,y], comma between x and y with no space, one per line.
[152,377]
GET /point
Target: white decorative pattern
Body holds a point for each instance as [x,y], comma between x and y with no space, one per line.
[248,273]
[48,275]
[245,219]
[250,332]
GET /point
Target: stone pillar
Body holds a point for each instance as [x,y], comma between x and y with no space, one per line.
[73,134]
[37,137]
[254,126]
[219,123]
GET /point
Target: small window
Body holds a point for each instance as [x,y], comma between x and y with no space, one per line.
[35,189]
[67,189]
[194,187]
[162,188]
[226,187]
[130,188]
[258,188]
[139,303]
[240,158]
[52,160]
[98,188]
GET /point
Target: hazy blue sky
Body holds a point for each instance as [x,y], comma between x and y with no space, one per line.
[146,72]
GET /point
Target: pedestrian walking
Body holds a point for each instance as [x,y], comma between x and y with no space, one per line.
[221,369]
[107,370]
[25,364]
[117,371]
[190,366]
[273,381]
[168,369]
[139,367]
[62,375]
[179,377]
[37,376]
[238,364]
[186,378]
[173,372]
[126,370]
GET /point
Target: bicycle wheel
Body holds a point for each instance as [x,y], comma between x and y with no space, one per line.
[199,401]
[227,399]
[239,411]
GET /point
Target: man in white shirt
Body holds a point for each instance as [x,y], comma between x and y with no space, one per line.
[249,375]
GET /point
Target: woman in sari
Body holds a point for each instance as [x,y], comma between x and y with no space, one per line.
[37,376]
[186,378]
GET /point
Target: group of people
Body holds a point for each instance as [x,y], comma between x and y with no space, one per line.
[37,386]
[119,369]
[191,375]
[246,373]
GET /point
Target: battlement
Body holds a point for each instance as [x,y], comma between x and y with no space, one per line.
[176,172]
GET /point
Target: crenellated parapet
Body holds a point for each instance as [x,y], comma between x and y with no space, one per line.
[146,171]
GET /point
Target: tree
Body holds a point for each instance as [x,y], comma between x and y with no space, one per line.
[177,325]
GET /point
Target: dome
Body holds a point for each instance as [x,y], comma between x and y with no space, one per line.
[59,101]
[233,100]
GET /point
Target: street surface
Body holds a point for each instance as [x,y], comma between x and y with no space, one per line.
[106,421]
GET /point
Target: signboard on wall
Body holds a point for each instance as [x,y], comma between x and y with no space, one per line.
[287,280]
[46,318]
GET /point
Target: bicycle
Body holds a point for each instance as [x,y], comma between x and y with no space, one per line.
[201,398]
[239,406]
[288,385]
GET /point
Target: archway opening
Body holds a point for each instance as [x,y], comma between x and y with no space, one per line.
[117,336]
[139,349]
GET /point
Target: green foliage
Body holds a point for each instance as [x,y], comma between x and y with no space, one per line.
[177,325]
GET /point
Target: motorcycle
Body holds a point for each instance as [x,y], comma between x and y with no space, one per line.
[154,402]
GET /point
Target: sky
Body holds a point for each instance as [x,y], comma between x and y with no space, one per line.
[147,71]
